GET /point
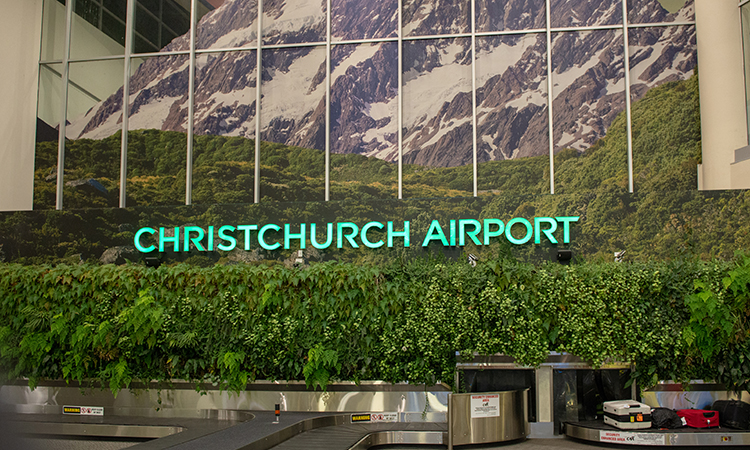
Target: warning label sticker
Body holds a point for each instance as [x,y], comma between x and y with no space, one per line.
[487,405]
[385,417]
[84,410]
[625,437]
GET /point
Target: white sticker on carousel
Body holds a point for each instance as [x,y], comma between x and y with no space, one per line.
[487,405]
[625,437]
[389,417]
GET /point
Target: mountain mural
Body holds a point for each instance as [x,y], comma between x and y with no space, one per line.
[587,80]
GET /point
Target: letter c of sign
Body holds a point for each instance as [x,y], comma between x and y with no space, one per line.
[137,240]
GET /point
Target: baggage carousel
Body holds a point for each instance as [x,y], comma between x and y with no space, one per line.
[598,431]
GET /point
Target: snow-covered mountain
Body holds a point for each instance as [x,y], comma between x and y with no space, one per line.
[587,82]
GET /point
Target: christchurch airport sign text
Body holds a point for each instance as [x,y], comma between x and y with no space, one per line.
[517,231]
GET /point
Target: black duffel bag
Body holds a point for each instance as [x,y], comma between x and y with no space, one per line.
[733,413]
[665,418]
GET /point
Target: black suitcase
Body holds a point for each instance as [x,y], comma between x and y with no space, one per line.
[733,413]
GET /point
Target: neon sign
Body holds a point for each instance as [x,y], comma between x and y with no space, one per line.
[517,231]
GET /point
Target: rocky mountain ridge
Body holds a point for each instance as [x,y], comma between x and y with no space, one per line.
[588,77]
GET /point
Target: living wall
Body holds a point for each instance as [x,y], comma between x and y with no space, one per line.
[403,321]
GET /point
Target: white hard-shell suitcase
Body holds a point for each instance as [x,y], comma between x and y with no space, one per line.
[627,414]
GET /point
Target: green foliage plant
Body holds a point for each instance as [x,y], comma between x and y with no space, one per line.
[409,320]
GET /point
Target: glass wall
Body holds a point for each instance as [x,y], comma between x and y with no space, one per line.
[368,100]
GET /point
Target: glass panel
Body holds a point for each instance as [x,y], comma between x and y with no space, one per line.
[294,21]
[224,154]
[569,13]
[53,30]
[364,111]
[588,94]
[429,17]
[657,11]
[230,25]
[659,55]
[48,120]
[96,31]
[293,124]
[92,166]
[437,117]
[512,113]
[157,143]
[745,11]
[503,15]
[355,19]
[159,23]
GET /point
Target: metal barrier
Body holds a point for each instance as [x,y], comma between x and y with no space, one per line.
[482,418]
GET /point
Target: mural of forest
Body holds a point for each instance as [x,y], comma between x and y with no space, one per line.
[666,218]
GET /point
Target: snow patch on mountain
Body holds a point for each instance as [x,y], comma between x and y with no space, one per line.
[289,95]
[153,114]
[295,15]
[426,92]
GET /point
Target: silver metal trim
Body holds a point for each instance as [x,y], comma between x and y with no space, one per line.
[589,28]
[400,118]
[130,12]
[437,36]
[63,106]
[661,24]
[474,96]
[563,366]
[191,106]
[364,41]
[225,50]
[94,429]
[91,59]
[550,119]
[328,103]
[298,45]
[152,54]
[258,82]
[511,32]
[417,405]
[703,438]
[628,100]
[379,438]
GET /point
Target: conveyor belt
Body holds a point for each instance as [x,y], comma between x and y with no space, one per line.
[345,437]
[598,431]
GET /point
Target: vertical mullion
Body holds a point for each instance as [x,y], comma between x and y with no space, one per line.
[474,92]
[400,101]
[328,102]
[63,105]
[259,76]
[191,100]
[129,28]
[161,23]
[626,57]
[550,121]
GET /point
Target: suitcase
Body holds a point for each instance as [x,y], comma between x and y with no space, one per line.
[733,413]
[627,414]
[699,418]
[665,418]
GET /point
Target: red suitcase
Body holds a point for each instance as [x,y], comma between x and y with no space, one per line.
[699,418]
